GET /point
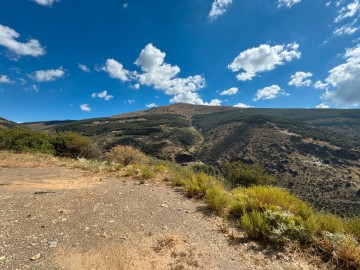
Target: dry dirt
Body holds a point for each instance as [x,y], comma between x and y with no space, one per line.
[60,218]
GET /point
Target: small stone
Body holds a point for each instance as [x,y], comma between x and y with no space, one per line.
[164,205]
[53,244]
[86,229]
[64,219]
[111,221]
[165,227]
[2,258]
[35,257]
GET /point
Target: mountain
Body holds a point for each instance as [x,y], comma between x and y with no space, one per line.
[6,123]
[314,153]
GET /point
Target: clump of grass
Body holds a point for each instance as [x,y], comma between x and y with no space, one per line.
[166,242]
[218,199]
[352,226]
[140,171]
[125,155]
[261,198]
[320,222]
[196,185]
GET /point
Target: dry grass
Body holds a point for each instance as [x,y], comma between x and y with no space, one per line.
[169,241]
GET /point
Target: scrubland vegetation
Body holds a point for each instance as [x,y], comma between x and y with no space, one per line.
[237,192]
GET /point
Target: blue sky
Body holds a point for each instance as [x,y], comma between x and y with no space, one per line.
[62,59]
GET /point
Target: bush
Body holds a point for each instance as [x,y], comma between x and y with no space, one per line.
[320,222]
[196,185]
[218,199]
[74,145]
[125,155]
[208,169]
[261,198]
[241,174]
[21,139]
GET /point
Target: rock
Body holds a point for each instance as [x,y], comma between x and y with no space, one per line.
[53,244]
[86,229]
[165,227]
[164,205]
[64,219]
[2,258]
[35,257]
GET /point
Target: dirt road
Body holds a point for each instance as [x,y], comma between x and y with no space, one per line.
[61,218]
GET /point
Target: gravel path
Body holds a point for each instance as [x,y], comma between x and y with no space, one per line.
[60,218]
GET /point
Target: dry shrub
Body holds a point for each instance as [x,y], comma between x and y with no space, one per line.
[344,248]
[125,155]
[168,241]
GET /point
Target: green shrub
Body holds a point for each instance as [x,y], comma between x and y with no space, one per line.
[218,199]
[74,145]
[208,169]
[261,198]
[352,226]
[21,139]
[320,222]
[125,155]
[196,185]
[276,226]
[241,174]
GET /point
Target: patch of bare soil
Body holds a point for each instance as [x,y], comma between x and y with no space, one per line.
[60,218]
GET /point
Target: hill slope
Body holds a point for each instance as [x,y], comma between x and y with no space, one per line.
[6,123]
[313,153]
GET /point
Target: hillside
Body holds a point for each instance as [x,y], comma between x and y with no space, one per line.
[6,123]
[313,153]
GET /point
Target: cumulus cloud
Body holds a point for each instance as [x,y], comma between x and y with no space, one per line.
[163,76]
[287,3]
[8,39]
[104,95]
[242,105]
[348,29]
[85,108]
[320,85]
[348,11]
[322,106]
[219,7]
[300,79]
[48,3]
[345,80]
[229,92]
[84,68]
[269,92]
[116,70]
[5,79]
[151,105]
[48,75]
[263,58]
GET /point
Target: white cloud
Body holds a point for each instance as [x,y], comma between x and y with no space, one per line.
[231,91]
[348,11]
[116,70]
[242,105]
[263,58]
[85,107]
[104,95]
[84,68]
[5,79]
[136,86]
[300,79]
[151,105]
[163,76]
[269,92]
[320,85]
[219,7]
[48,75]
[131,101]
[287,3]
[125,5]
[322,106]
[46,2]
[345,30]
[345,80]
[8,39]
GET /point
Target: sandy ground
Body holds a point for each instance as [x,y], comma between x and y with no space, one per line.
[61,218]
